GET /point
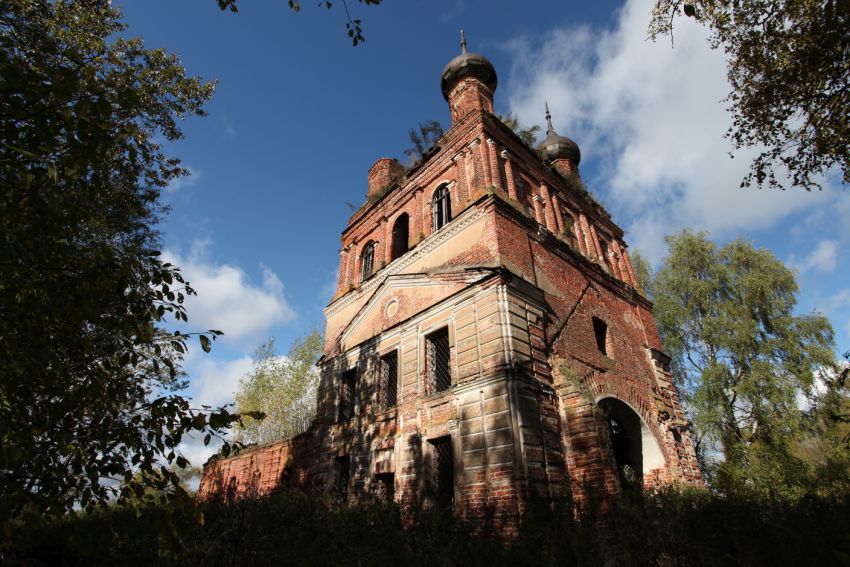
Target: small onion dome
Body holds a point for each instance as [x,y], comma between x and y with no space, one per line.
[467,65]
[555,146]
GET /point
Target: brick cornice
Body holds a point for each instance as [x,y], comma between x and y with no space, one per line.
[565,251]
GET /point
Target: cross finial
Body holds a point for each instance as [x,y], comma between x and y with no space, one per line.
[549,119]
[462,42]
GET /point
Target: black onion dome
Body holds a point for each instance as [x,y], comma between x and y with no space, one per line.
[467,65]
[555,146]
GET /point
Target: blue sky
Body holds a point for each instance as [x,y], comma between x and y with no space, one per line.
[300,115]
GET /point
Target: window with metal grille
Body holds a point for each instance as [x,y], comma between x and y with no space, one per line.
[389,380]
[442,459]
[441,207]
[347,387]
[600,329]
[342,466]
[438,361]
[368,259]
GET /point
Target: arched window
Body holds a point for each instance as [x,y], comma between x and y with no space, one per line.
[400,235]
[441,207]
[367,261]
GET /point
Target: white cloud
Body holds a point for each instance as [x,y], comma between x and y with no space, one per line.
[227,300]
[213,381]
[192,448]
[835,301]
[651,118]
[227,127]
[824,258]
[185,181]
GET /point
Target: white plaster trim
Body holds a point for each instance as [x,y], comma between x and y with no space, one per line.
[507,336]
[431,242]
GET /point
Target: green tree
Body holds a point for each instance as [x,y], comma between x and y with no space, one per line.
[788,63]
[827,447]
[643,272]
[526,134]
[283,388]
[88,372]
[423,139]
[741,358]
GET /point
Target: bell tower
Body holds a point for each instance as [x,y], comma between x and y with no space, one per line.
[487,348]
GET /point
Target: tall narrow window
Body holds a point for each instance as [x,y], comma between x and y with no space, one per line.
[523,196]
[438,360]
[368,259]
[606,259]
[568,221]
[600,329]
[442,460]
[342,466]
[347,388]
[389,380]
[441,207]
[400,235]
[385,487]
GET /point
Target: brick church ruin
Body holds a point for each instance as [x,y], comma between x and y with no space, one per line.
[487,347]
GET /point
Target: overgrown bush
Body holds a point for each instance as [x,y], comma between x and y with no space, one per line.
[669,528]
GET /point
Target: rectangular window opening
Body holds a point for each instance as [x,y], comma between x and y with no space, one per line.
[438,362]
[389,380]
[443,469]
[342,467]
[347,390]
[600,329]
[385,489]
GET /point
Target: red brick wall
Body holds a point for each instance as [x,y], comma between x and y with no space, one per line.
[519,301]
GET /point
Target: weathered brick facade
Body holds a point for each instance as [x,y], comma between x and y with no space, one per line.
[496,300]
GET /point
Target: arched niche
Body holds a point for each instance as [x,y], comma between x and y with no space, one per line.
[636,450]
[401,235]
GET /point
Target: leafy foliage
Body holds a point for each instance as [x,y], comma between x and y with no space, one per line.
[643,272]
[88,373]
[693,528]
[741,359]
[353,27]
[282,388]
[788,69]
[528,134]
[424,139]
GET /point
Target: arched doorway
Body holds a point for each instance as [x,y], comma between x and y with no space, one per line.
[400,235]
[636,451]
